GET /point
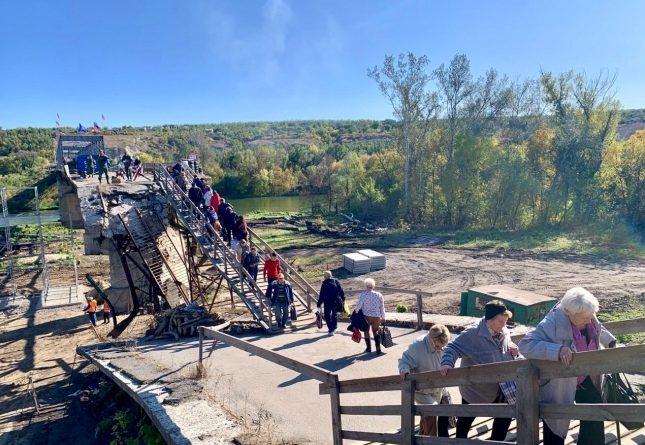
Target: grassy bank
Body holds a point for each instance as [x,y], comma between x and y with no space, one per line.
[607,243]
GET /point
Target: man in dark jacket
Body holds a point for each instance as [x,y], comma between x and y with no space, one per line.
[196,196]
[280,293]
[333,297]
[251,262]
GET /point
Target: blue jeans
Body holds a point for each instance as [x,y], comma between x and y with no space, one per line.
[281,314]
[92,316]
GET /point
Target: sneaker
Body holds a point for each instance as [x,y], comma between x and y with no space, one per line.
[330,333]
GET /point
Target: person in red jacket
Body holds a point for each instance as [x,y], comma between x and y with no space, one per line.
[216,200]
[271,268]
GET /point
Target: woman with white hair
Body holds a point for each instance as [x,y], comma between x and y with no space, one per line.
[570,327]
[373,307]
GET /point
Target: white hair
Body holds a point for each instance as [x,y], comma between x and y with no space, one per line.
[327,274]
[369,283]
[579,300]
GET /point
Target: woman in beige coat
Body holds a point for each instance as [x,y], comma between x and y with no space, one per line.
[424,355]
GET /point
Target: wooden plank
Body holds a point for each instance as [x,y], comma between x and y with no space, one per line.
[336,421]
[311,371]
[371,410]
[621,327]
[629,359]
[395,290]
[407,412]
[589,411]
[419,311]
[470,410]
[393,438]
[528,412]
[427,440]
[471,375]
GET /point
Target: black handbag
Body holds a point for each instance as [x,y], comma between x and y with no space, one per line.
[386,336]
[618,390]
[293,314]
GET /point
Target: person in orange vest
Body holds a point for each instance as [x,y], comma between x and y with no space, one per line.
[91,310]
[106,312]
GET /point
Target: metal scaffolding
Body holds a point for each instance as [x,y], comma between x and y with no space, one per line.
[33,263]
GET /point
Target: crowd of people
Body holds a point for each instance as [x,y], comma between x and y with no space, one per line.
[128,168]
[571,326]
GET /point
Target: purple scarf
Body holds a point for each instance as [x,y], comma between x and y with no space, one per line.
[585,344]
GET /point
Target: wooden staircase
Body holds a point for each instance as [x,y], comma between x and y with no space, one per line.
[250,292]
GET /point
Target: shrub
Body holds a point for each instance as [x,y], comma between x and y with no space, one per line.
[401,307]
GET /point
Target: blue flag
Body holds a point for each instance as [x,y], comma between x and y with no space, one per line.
[81,129]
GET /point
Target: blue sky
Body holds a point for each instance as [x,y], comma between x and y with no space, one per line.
[150,62]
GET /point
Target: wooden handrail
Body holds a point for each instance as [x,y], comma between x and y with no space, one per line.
[292,270]
[627,359]
[625,412]
[493,372]
[619,327]
[311,371]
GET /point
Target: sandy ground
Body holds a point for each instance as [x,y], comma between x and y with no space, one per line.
[42,344]
[447,272]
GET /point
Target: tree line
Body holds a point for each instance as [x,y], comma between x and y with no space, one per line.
[463,151]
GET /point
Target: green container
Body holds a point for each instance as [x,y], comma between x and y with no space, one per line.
[528,308]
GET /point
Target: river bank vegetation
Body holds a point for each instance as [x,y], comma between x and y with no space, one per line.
[463,152]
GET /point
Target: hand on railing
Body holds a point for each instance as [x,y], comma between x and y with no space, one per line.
[444,370]
[404,375]
[566,355]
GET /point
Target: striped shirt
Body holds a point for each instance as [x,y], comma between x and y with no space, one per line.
[371,303]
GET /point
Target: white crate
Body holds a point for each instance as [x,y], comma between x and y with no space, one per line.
[356,263]
[377,260]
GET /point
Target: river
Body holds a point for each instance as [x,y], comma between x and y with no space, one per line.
[277,204]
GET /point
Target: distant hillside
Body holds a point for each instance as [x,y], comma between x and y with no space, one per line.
[167,139]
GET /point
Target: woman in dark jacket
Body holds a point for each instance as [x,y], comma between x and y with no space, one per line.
[333,297]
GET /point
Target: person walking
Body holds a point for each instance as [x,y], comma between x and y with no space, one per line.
[180,179]
[90,166]
[487,341]
[208,194]
[90,309]
[228,222]
[272,268]
[212,219]
[373,306]
[103,163]
[570,327]
[240,233]
[332,297]
[126,160]
[195,195]
[251,263]
[280,293]
[215,200]
[106,312]
[424,355]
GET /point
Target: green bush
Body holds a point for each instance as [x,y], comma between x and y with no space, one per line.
[401,308]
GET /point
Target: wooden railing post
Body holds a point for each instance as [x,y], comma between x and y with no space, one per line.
[200,329]
[334,395]
[419,311]
[407,412]
[528,405]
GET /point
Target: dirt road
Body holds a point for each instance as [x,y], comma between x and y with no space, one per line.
[43,344]
[446,272]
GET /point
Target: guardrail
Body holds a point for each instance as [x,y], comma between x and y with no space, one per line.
[526,373]
[231,265]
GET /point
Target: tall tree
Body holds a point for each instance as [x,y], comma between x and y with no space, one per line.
[404,81]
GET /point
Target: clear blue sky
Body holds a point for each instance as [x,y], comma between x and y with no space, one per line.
[160,61]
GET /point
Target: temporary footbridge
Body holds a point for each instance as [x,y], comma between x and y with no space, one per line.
[171,284]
